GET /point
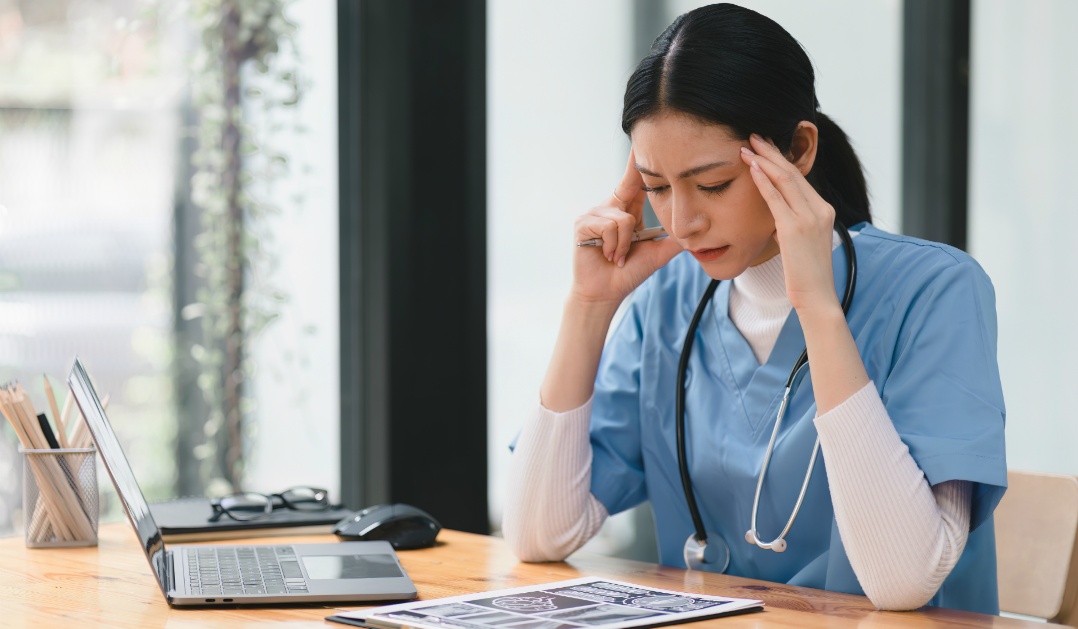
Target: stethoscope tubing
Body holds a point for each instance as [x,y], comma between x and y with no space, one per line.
[679,409]
[779,543]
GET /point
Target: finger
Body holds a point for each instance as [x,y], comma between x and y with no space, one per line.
[590,226]
[768,150]
[611,225]
[775,200]
[802,198]
[629,193]
[780,178]
[616,242]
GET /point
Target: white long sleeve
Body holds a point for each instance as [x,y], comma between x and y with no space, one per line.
[902,536]
[550,511]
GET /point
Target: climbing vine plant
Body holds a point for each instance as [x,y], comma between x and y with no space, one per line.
[246,72]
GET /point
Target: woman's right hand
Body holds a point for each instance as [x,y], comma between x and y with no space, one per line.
[602,278]
[609,273]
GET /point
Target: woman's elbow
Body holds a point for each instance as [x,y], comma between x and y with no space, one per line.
[534,554]
[531,549]
[901,599]
[530,544]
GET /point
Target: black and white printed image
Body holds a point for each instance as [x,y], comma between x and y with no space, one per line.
[617,594]
[497,619]
[543,624]
[450,610]
[602,614]
[532,602]
[525,603]
[575,604]
[469,616]
[670,603]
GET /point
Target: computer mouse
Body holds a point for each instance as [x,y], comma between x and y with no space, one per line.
[403,526]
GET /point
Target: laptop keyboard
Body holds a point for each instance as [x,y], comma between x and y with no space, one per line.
[244,570]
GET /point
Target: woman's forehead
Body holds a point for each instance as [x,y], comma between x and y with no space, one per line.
[667,142]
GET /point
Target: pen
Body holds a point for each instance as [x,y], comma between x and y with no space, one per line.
[46,431]
[650,233]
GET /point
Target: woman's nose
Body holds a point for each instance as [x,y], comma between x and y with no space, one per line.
[685,220]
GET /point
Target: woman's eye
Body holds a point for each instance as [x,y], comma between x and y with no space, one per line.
[719,189]
[656,189]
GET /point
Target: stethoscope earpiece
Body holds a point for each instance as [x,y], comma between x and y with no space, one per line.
[779,545]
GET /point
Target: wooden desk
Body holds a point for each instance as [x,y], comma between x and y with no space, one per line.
[111,586]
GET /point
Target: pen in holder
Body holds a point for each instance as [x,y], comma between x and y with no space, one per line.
[60,497]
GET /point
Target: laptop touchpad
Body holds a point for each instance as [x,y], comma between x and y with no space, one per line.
[350,566]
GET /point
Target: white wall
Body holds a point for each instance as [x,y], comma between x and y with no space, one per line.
[555,76]
[1024,216]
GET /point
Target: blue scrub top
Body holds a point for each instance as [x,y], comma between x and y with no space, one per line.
[923,317]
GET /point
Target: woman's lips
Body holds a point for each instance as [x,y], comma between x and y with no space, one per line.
[710,255]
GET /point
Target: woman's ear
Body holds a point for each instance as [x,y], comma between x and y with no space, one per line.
[803,146]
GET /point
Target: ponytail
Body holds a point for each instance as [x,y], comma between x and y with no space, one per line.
[837,174]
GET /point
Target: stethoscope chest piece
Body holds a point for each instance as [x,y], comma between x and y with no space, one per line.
[710,556]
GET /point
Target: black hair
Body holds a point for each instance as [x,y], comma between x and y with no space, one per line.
[727,65]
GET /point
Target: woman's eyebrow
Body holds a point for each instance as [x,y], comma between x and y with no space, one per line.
[688,173]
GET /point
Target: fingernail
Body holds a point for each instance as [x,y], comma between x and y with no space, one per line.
[747,151]
[757,137]
[621,262]
[755,166]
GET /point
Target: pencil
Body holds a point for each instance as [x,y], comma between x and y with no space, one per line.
[61,495]
[650,233]
[53,505]
[61,430]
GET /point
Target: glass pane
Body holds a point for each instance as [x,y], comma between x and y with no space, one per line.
[1022,219]
[89,125]
[296,439]
[101,112]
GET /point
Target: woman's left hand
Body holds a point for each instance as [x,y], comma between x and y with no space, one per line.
[804,223]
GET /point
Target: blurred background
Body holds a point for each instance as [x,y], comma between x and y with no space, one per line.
[113,211]
[105,255]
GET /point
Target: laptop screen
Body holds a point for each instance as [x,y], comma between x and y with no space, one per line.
[120,471]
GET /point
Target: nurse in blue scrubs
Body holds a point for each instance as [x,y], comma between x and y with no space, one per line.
[754,184]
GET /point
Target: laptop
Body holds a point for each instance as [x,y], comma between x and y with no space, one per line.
[242,575]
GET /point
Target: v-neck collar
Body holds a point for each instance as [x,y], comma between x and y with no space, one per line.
[759,386]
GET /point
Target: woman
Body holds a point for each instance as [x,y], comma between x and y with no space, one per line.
[755,188]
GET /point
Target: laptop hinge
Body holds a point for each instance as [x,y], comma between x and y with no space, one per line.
[170,573]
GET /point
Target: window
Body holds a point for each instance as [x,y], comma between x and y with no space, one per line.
[97,131]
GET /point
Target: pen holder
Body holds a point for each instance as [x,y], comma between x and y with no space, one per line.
[60,497]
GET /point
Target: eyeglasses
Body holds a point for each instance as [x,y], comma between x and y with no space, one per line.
[251,506]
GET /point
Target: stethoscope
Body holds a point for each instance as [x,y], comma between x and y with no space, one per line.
[715,557]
